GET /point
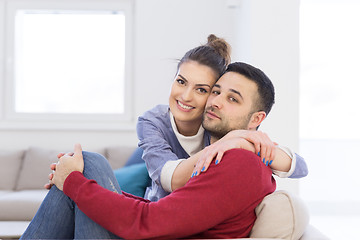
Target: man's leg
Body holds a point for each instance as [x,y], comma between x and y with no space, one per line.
[97,168]
[58,217]
[54,219]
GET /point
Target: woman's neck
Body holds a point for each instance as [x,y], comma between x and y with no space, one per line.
[187,128]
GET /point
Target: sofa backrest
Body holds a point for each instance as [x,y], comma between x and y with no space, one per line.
[29,169]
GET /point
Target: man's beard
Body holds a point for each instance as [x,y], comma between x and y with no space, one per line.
[223,127]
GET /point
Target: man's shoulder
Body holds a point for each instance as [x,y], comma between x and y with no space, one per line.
[244,160]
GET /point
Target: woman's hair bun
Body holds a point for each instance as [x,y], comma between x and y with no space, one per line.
[220,46]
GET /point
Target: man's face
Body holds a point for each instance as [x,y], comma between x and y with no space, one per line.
[230,105]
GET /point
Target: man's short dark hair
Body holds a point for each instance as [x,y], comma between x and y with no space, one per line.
[266,98]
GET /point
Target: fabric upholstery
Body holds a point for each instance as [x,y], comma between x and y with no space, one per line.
[10,162]
[36,168]
[133,179]
[24,202]
[136,157]
[118,155]
[280,215]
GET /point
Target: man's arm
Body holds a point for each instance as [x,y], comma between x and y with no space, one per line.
[206,202]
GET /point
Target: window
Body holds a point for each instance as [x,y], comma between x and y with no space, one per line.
[68,61]
[330,134]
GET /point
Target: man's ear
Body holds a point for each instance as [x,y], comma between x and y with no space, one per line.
[256,119]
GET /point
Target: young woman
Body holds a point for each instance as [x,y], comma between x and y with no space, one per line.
[170,136]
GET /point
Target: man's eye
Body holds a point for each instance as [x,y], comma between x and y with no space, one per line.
[215,92]
[180,81]
[233,99]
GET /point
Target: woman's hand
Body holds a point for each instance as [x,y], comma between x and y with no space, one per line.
[255,141]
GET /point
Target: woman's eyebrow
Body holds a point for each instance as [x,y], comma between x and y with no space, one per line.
[203,85]
[182,77]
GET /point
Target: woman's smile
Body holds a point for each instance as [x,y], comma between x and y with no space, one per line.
[184,107]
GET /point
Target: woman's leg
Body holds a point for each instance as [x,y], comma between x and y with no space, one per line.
[58,217]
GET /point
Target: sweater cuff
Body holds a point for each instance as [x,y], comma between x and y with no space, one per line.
[292,155]
[72,184]
[167,172]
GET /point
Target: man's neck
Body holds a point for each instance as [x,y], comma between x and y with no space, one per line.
[213,139]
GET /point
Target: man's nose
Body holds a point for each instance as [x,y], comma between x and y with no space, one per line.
[217,101]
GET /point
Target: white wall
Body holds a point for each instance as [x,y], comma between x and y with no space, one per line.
[261,32]
[268,37]
[163,31]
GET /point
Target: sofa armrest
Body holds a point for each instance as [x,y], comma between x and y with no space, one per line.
[280,215]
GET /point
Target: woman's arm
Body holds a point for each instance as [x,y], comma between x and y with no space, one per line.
[157,143]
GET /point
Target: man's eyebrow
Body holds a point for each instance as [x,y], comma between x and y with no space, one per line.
[231,90]
[236,92]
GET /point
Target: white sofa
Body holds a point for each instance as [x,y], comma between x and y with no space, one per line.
[23,174]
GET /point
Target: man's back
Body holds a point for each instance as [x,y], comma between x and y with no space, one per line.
[237,185]
[219,203]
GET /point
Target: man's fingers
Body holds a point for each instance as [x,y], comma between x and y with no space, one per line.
[53,166]
[51,176]
[78,149]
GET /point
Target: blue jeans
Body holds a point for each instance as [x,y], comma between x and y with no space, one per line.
[58,216]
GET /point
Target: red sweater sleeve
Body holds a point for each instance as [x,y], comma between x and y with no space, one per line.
[219,203]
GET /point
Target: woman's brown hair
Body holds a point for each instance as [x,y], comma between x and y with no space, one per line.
[214,54]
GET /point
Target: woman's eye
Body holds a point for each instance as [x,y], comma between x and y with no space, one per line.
[215,92]
[202,90]
[180,81]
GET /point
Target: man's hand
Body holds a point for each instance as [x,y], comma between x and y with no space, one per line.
[67,164]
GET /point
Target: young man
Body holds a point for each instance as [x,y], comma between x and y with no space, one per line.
[219,203]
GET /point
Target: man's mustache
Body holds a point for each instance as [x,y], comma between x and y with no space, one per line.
[213,110]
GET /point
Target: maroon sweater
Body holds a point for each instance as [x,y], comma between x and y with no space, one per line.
[219,203]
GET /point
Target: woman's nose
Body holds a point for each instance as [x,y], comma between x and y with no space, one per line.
[187,95]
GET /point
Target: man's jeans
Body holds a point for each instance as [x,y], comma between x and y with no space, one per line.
[58,216]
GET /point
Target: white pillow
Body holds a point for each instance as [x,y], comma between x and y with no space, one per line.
[10,162]
[280,215]
[36,168]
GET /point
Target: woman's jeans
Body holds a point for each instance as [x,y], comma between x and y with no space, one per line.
[58,216]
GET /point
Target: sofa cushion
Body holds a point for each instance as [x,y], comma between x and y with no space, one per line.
[280,215]
[36,168]
[136,157]
[118,155]
[20,205]
[133,179]
[10,162]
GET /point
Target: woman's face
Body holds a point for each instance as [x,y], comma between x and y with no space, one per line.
[189,92]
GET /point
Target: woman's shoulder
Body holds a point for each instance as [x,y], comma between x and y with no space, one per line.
[157,111]
[156,119]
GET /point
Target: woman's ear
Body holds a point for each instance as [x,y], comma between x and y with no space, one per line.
[256,119]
